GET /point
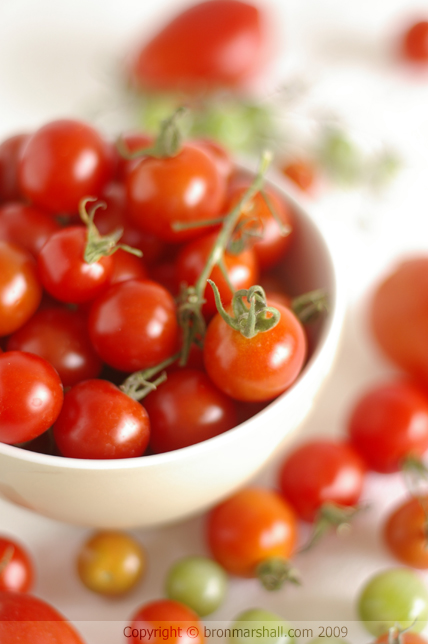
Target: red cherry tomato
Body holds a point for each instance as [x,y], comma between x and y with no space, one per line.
[272,246]
[10,150]
[164,620]
[184,188]
[165,273]
[249,528]
[318,472]
[26,226]
[218,43]
[389,423]
[60,336]
[20,288]
[399,316]
[98,420]
[63,162]
[30,396]
[415,42]
[259,368]
[24,618]
[115,216]
[133,142]
[64,272]
[301,172]
[220,155]
[127,267]
[16,567]
[187,409]
[242,270]
[405,532]
[133,325]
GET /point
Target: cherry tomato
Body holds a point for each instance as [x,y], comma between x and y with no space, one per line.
[272,246]
[187,409]
[318,472]
[394,597]
[259,368]
[389,423]
[242,270]
[198,582]
[301,172]
[24,618]
[115,216]
[164,620]
[404,638]
[250,527]
[220,155]
[165,273]
[63,162]
[184,188]
[30,396]
[20,288]
[26,226]
[10,150]
[111,563]
[265,628]
[127,267]
[60,336]
[399,316]
[133,325]
[98,421]
[64,272]
[405,532]
[16,567]
[415,42]
[210,44]
[133,142]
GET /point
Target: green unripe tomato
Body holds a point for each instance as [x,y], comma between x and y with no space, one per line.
[248,628]
[198,582]
[396,597]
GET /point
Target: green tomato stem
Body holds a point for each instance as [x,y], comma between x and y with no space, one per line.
[275,571]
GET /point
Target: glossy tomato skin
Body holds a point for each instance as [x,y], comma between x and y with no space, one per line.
[382,425]
[16,567]
[273,244]
[25,618]
[318,472]
[259,368]
[99,421]
[10,150]
[133,142]
[187,409]
[415,42]
[399,316]
[221,156]
[250,527]
[63,162]
[60,336]
[172,620]
[184,188]
[404,532]
[26,226]
[63,270]
[133,325]
[211,44]
[242,269]
[31,396]
[17,304]
[126,267]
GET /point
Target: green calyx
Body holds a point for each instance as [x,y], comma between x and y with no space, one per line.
[139,384]
[248,320]
[97,245]
[275,572]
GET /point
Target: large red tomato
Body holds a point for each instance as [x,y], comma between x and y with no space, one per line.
[214,43]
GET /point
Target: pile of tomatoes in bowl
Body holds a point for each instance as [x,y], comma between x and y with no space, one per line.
[146,298]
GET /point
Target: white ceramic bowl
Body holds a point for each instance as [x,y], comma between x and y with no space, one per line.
[152,490]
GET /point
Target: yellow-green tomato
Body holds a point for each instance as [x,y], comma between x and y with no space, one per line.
[395,597]
[259,626]
[111,563]
[198,582]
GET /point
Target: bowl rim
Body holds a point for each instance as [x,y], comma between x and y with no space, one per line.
[330,335]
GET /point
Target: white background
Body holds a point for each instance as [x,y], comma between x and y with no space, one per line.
[62,59]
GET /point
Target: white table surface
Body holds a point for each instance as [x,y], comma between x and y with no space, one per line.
[56,59]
